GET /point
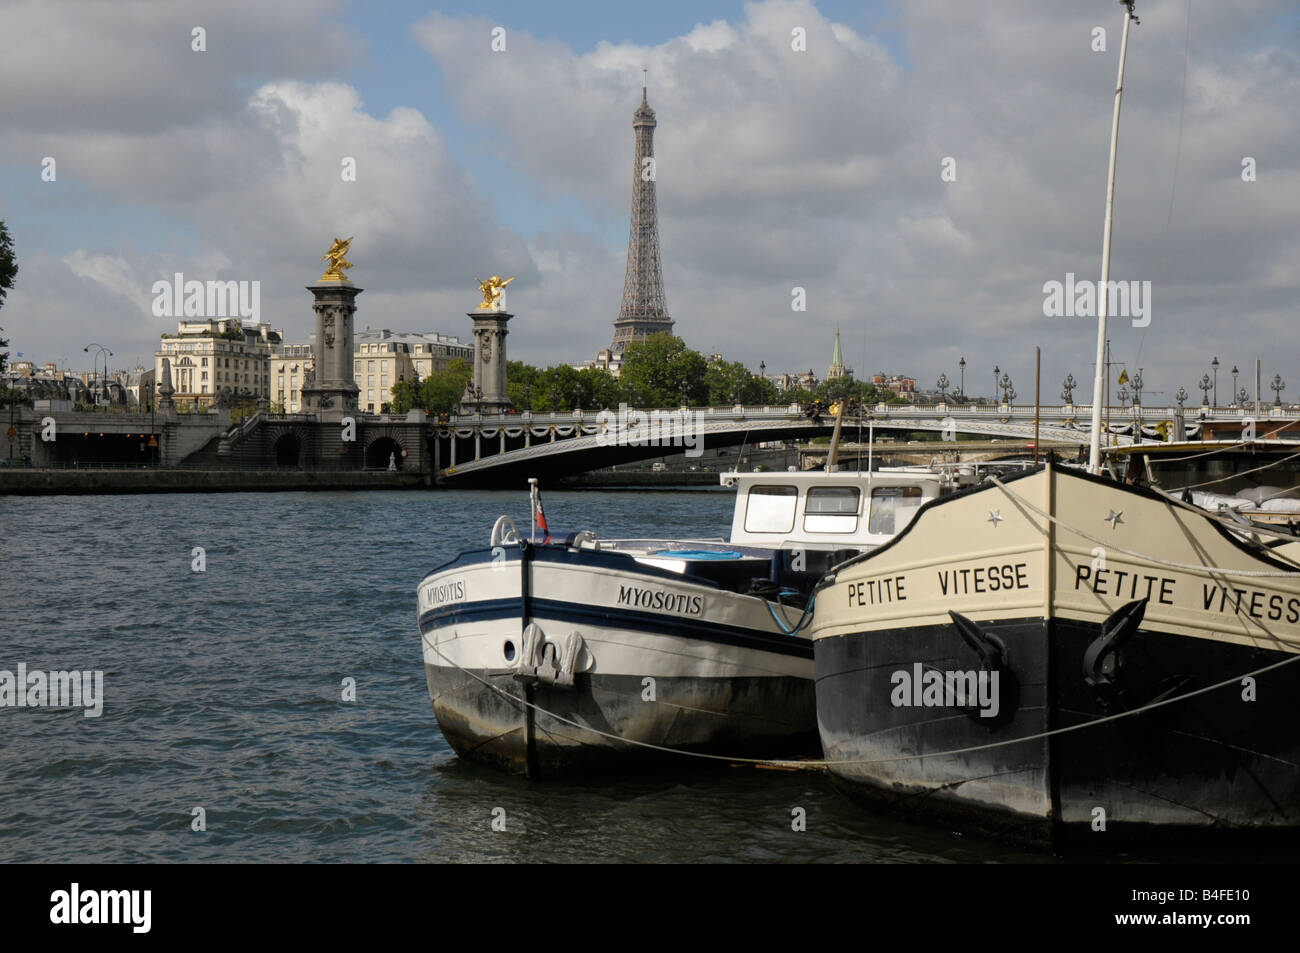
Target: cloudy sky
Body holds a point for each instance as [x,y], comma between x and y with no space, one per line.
[778,168]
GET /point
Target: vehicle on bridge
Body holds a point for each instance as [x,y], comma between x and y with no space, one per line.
[551,656]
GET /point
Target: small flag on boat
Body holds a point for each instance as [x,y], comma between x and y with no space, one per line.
[1123,377]
[541,517]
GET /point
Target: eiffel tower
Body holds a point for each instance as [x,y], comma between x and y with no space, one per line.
[643,311]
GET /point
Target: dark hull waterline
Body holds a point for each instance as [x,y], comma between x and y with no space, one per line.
[1214,763]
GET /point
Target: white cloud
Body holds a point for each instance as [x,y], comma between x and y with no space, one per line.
[776,168]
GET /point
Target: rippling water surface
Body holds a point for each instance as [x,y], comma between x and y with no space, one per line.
[223,691]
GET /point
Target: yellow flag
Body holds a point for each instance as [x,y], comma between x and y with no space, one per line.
[1123,377]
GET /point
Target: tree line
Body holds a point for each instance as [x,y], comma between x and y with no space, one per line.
[659,372]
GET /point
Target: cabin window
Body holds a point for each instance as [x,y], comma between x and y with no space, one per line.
[770,509]
[892,508]
[831,509]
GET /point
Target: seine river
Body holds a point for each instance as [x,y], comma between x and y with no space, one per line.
[222,691]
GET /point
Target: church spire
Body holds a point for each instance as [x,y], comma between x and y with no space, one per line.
[837,360]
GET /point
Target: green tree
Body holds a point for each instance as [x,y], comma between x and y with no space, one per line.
[599,388]
[725,380]
[407,394]
[842,388]
[521,385]
[8,271]
[442,390]
[653,371]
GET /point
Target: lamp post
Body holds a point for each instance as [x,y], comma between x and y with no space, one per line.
[1181,397]
[1215,364]
[962,386]
[996,370]
[1278,386]
[1242,397]
[1234,385]
[942,384]
[1067,391]
[1205,387]
[13,378]
[93,365]
[1137,388]
[684,390]
[577,397]
[528,398]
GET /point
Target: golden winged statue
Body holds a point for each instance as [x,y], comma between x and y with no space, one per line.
[492,290]
[337,263]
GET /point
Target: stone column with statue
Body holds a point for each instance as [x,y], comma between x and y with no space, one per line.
[333,391]
[486,392]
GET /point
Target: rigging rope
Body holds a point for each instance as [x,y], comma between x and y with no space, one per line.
[828,763]
[1110,545]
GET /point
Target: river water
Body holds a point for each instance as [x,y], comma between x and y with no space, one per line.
[222,691]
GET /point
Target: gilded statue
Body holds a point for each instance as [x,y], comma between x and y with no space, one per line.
[492,290]
[337,263]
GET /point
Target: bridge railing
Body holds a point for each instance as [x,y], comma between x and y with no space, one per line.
[1078,412]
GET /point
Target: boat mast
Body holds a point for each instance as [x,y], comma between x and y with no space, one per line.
[1094,451]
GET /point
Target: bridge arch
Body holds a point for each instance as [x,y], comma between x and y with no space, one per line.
[288,450]
[379,451]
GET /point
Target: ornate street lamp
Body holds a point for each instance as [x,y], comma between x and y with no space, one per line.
[1205,385]
[1243,398]
[1181,397]
[942,384]
[1068,386]
[1215,364]
[1234,383]
[1137,388]
[1278,386]
[1123,396]
[962,386]
[103,383]
[996,371]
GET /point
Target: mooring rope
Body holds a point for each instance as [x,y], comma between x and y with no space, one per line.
[1110,545]
[812,763]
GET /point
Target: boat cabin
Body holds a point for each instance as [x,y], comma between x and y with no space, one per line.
[816,510]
